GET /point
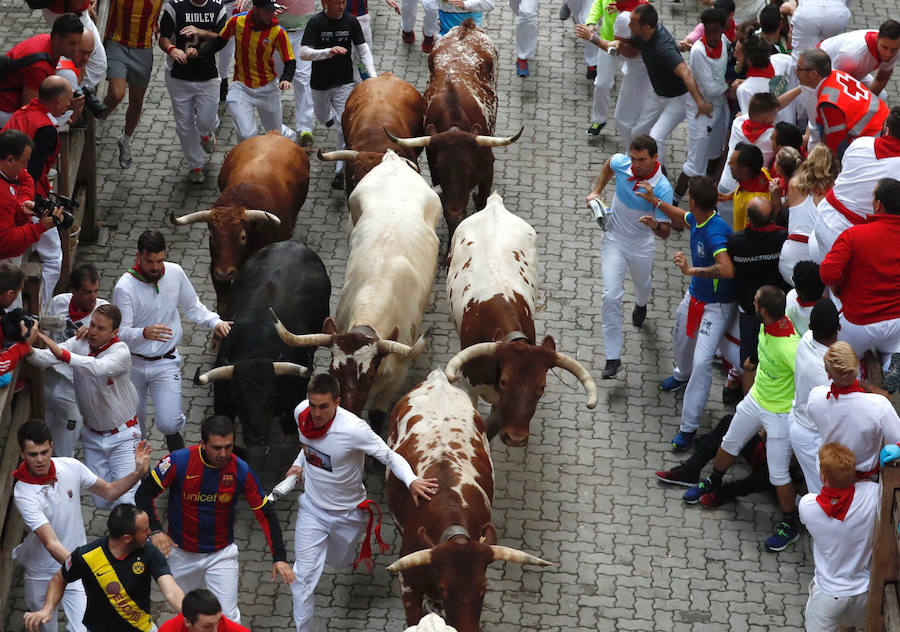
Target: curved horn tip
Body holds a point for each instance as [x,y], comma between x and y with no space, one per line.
[452,376]
[274,316]
[199,379]
[320,154]
[172,218]
[518,135]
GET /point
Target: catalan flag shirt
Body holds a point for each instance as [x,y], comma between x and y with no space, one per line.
[131,22]
[254,50]
[118,591]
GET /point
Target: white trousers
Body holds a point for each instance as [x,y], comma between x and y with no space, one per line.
[61,413]
[826,612]
[883,336]
[603,83]
[74,602]
[243,101]
[161,379]
[329,104]
[633,91]
[694,356]
[303,106]
[95,69]
[792,253]
[217,572]
[749,417]
[321,536]
[526,27]
[408,10]
[49,251]
[111,457]
[195,110]
[616,258]
[659,117]
[829,226]
[816,20]
[706,137]
[806,443]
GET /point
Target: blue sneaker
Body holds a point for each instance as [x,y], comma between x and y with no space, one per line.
[670,384]
[692,496]
[5,379]
[682,441]
[784,536]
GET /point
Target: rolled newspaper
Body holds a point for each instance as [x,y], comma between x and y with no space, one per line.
[599,212]
[283,488]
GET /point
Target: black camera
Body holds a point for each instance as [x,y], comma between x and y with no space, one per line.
[9,323]
[91,102]
[45,206]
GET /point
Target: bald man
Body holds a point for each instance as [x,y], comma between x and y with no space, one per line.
[74,70]
[95,65]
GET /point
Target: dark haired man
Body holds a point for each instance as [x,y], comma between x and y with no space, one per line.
[808,289]
[333,510]
[11,282]
[765,73]
[116,572]
[860,53]
[47,494]
[748,169]
[628,242]
[201,612]
[204,482]
[151,295]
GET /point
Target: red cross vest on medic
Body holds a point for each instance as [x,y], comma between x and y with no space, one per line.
[863,111]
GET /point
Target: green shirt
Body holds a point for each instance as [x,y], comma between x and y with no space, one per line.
[598,11]
[773,388]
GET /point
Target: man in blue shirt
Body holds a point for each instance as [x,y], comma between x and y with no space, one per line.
[708,306]
[628,241]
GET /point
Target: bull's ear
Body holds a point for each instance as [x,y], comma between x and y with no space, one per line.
[498,335]
[394,334]
[549,343]
[476,129]
[329,326]
[430,129]
[488,535]
[423,538]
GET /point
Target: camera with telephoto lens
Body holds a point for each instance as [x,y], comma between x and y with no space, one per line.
[44,207]
[9,323]
[91,102]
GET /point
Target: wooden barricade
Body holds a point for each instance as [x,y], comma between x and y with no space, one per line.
[883,610]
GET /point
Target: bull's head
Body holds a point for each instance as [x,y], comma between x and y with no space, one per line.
[359,163]
[458,568]
[521,379]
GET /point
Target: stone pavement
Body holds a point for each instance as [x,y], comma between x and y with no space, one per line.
[629,554]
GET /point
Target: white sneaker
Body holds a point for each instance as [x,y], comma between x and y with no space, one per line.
[196,175]
[124,143]
[208,143]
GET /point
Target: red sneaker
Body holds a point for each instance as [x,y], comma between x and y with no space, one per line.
[711,500]
[408,37]
[428,43]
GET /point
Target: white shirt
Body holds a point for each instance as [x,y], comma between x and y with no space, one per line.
[103,389]
[142,305]
[799,315]
[784,75]
[58,505]
[864,422]
[850,52]
[621,31]
[709,73]
[842,549]
[59,306]
[809,372]
[333,465]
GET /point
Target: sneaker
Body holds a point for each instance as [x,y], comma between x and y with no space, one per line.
[408,37]
[337,182]
[612,367]
[427,43]
[595,128]
[223,90]
[670,384]
[306,139]
[712,500]
[521,67]
[693,495]
[565,12]
[784,536]
[682,441]
[591,72]
[208,143]
[638,315]
[891,379]
[196,175]
[124,143]
[678,476]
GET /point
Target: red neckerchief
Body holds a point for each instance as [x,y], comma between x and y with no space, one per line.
[628,5]
[771,227]
[712,53]
[752,130]
[781,328]
[836,502]
[308,430]
[759,184]
[114,340]
[637,179]
[843,390]
[872,45]
[75,314]
[768,72]
[887,147]
[23,474]
[138,274]
[730,29]
[365,551]
[803,303]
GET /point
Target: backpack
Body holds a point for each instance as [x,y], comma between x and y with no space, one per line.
[9,66]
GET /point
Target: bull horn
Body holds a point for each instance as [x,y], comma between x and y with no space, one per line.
[190,218]
[497,141]
[333,156]
[253,215]
[392,346]
[289,368]
[413,165]
[219,373]
[417,558]
[305,340]
[575,368]
[507,554]
[469,353]
[416,141]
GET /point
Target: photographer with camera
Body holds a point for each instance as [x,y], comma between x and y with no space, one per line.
[76,70]
[14,325]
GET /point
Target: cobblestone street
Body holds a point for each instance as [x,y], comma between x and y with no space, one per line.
[628,553]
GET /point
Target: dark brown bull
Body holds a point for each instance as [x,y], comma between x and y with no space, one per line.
[385,102]
[448,541]
[264,181]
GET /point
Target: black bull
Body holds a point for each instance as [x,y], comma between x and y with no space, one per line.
[257,376]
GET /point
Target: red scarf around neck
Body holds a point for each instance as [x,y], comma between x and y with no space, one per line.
[836,502]
[634,178]
[768,72]
[753,130]
[75,314]
[803,303]
[628,5]
[114,340]
[759,184]
[872,45]
[23,474]
[730,30]
[886,147]
[712,53]
[138,274]
[308,430]
[836,391]
[781,328]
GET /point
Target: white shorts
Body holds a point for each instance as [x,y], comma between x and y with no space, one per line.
[749,417]
[217,571]
[825,612]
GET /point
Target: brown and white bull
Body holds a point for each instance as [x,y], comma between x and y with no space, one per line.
[384,102]
[264,181]
[460,113]
[387,286]
[448,541]
[492,284]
